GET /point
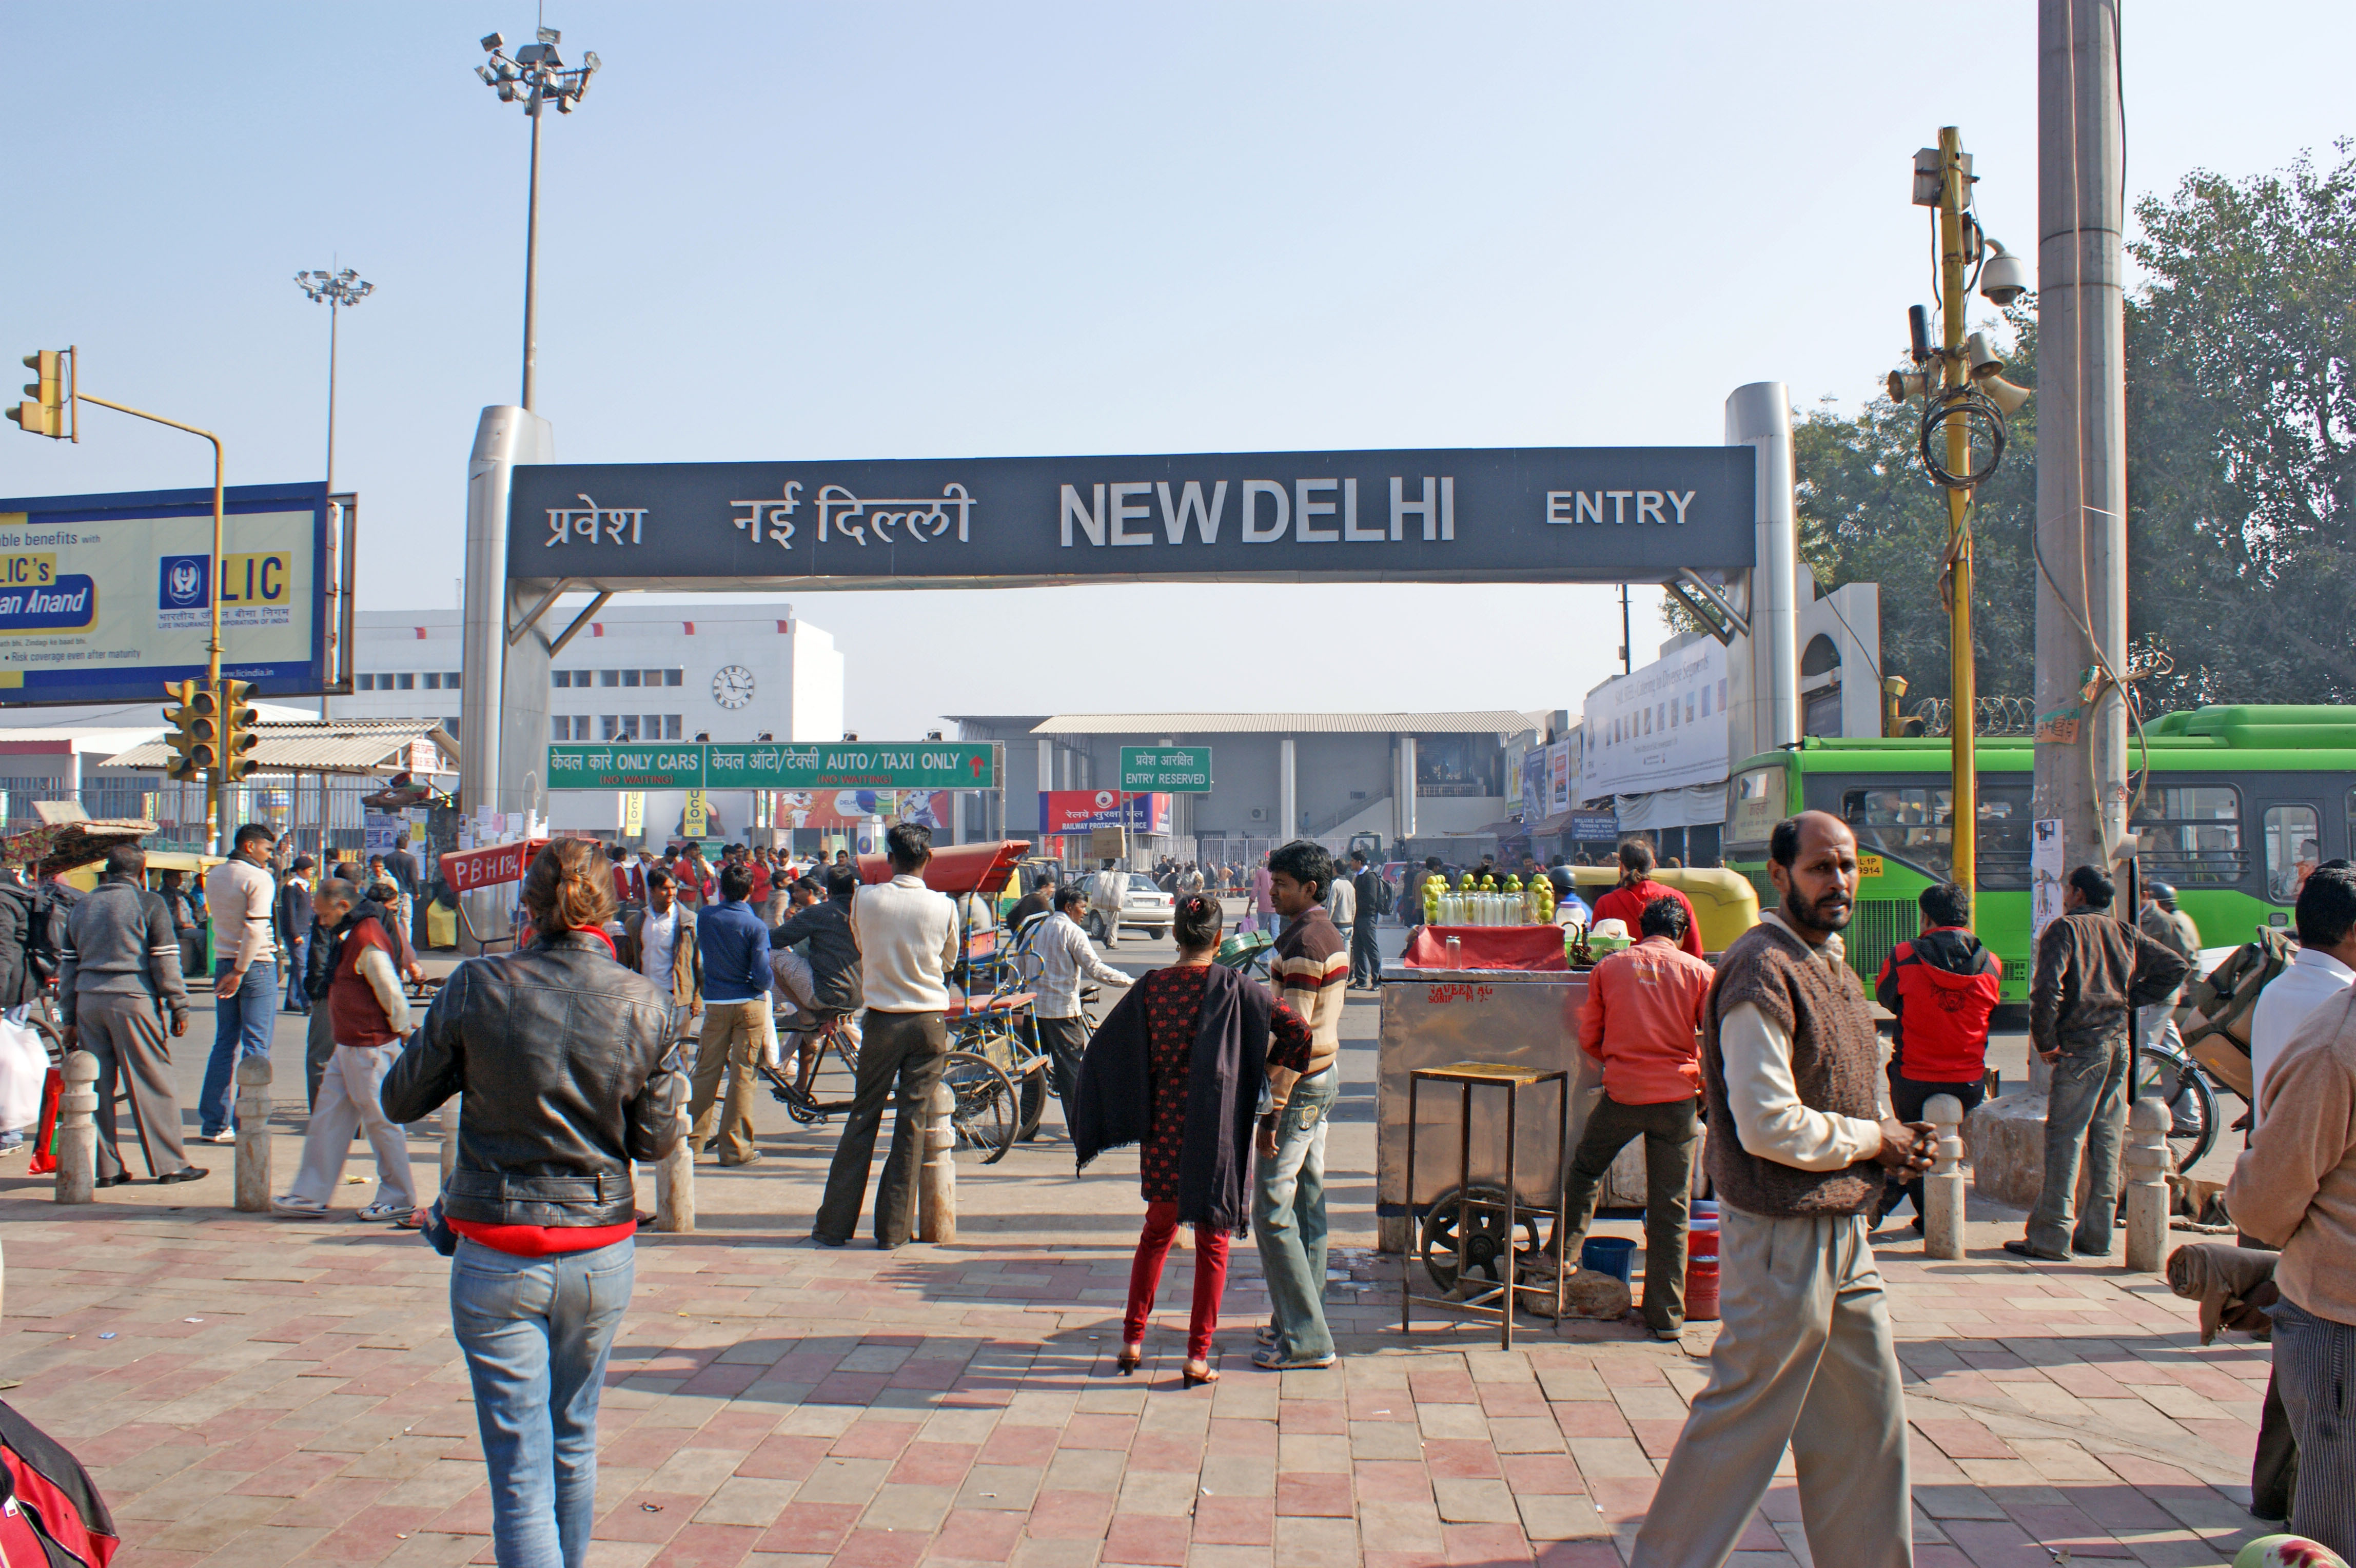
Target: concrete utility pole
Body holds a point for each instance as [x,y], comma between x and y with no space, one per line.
[2082,487]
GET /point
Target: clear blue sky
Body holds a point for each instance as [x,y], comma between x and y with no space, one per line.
[851,231]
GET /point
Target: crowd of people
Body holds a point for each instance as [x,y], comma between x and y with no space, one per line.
[1767,1058]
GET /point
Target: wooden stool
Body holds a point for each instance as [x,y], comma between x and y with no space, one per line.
[1498,1300]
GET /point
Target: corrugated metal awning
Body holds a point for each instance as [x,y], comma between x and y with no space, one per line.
[1501,721]
[370,746]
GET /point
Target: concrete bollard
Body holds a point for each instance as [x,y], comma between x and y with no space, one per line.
[1943,1185]
[675,1185]
[253,1108]
[937,1179]
[77,1142]
[2147,1162]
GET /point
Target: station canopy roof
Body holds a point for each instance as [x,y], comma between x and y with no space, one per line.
[1501,721]
[373,748]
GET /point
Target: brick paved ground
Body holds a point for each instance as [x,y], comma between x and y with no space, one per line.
[778,1405]
[252,1391]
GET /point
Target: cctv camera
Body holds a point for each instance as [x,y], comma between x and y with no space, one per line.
[2003,277]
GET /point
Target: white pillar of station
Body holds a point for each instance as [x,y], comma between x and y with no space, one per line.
[1288,794]
[1766,665]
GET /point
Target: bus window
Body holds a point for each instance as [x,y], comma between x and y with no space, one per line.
[1758,806]
[1913,822]
[2191,835]
[2294,848]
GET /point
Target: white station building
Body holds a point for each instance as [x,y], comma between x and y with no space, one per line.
[732,672]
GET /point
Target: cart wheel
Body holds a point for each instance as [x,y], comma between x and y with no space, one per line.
[986,1109]
[1483,1246]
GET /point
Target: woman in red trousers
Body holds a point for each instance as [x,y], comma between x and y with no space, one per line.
[1177,1067]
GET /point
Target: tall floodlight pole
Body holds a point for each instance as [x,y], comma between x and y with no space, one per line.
[534,76]
[2082,487]
[337,292]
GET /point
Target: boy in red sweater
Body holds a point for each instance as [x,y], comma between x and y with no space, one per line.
[1943,985]
[1644,1007]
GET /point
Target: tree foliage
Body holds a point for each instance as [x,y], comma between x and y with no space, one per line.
[2241,420]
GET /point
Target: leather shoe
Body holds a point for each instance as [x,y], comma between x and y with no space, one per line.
[185,1173]
[2023,1249]
[120,1179]
[829,1241]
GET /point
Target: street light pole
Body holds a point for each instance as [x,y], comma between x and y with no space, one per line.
[1963,818]
[535,75]
[337,291]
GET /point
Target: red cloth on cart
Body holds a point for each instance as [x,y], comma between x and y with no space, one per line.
[44,1152]
[1488,947]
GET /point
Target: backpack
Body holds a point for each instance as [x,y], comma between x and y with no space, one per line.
[45,941]
[51,1512]
[2220,1006]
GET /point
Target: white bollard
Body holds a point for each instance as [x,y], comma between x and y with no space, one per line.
[1943,1185]
[253,1108]
[77,1142]
[675,1184]
[2147,1162]
[937,1214]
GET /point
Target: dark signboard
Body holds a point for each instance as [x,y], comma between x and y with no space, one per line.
[1503,514]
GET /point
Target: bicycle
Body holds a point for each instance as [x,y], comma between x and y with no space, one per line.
[834,1034]
[2195,1114]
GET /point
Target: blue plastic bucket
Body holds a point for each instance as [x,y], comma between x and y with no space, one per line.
[1613,1255]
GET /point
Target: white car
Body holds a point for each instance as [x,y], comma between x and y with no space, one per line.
[1143,905]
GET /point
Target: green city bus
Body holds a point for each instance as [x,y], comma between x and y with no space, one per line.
[2241,802]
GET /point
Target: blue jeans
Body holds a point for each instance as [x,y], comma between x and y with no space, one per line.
[297,1000]
[1289,1217]
[242,1029]
[536,1332]
[2088,1107]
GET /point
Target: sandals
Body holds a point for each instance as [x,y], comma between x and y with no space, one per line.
[1193,1373]
[1130,1359]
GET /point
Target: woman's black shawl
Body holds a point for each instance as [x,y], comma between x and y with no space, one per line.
[1113,1102]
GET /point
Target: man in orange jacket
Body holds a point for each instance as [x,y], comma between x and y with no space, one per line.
[1644,1006]
[1943,986]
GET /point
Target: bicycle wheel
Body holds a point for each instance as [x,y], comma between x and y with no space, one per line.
[2193,1112]
[985,1112]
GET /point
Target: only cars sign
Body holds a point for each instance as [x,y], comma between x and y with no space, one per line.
[674,765]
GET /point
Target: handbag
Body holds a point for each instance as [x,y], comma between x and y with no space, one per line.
[437,1232]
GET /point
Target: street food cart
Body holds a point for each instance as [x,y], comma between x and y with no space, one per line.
[1504,995]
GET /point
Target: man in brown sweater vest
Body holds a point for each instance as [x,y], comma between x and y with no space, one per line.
[1797,1151]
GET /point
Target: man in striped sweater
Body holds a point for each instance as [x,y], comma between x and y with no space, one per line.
[1310,970]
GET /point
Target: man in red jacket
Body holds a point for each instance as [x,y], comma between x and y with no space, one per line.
[1644,1007]
[1626,902]
[1943,985]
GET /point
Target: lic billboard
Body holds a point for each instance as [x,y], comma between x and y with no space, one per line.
[105,598]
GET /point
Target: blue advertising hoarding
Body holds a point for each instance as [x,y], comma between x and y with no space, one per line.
[105,598]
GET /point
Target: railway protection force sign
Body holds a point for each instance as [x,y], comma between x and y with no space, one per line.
[1505,515]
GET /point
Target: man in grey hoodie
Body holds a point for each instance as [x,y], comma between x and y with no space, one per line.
[120,973]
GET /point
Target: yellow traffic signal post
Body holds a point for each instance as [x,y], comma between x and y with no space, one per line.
[52,412]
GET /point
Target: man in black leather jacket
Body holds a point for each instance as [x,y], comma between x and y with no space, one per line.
[833,952]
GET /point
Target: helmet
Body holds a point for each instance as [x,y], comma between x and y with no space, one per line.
[2163,892]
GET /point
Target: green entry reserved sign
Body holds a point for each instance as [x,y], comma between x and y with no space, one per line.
[1166,770]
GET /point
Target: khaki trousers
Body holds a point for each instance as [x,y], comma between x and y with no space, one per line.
[734,1034]
[126,1035]
[1803,1358]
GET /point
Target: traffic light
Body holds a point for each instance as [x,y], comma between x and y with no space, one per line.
[238,717]
[182,738]
[45,410]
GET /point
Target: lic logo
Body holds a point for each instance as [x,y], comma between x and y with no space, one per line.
[184,581]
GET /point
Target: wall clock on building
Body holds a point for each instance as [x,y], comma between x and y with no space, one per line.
[733,687]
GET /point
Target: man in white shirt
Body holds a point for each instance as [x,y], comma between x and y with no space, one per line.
[241,895]
[2326,966]
[1056,956]
[907,937]
[659,941]
[1107,890]
[1797,1151]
